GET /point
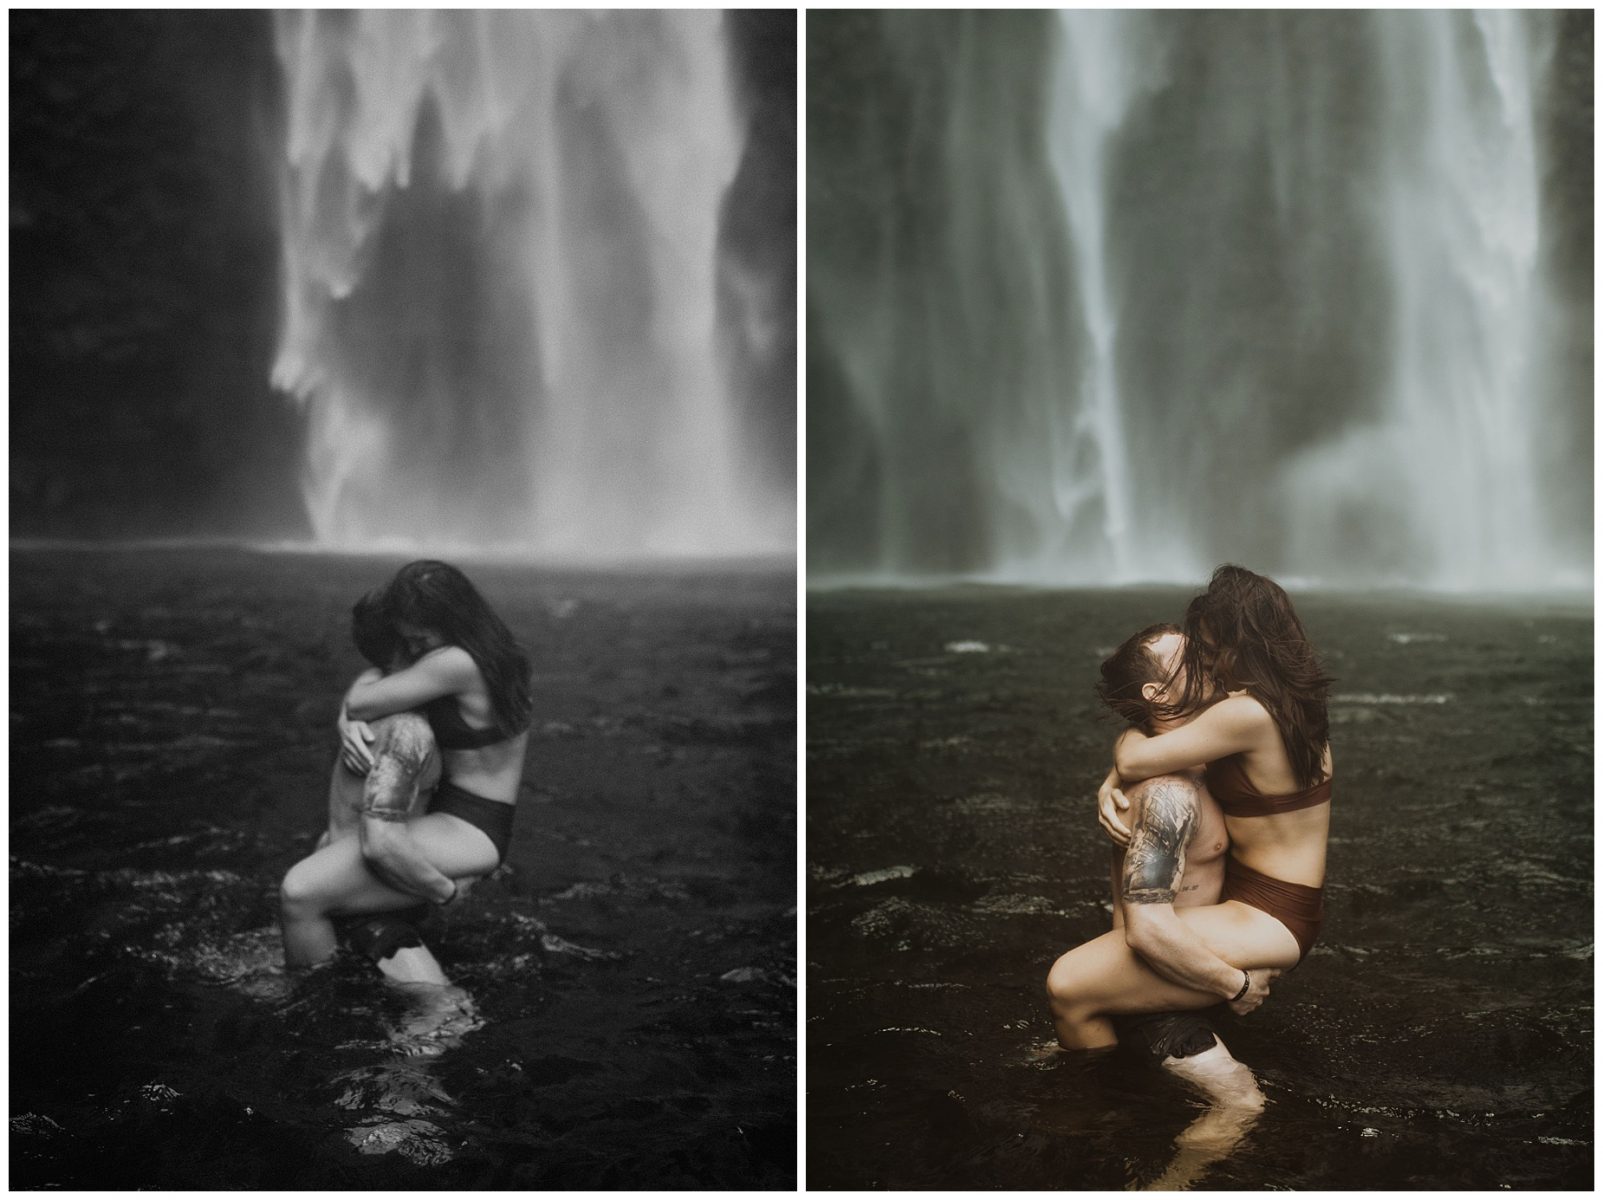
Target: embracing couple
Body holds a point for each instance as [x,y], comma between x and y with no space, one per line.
[1225,779]
[432,741]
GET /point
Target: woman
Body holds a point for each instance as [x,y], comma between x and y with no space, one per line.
[465,672]
[1266,746]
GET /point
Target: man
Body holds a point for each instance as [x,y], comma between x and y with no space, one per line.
[1175,860]
[384,774]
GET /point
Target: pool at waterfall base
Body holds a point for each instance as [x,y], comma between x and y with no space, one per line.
[1438,1036]
[624,1002]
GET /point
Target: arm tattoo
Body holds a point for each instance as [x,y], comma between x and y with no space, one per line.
[1156,858]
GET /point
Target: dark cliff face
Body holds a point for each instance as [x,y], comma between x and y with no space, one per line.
[757,236]
[143,278]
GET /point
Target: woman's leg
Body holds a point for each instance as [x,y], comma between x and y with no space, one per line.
[335,881]
[1104,977]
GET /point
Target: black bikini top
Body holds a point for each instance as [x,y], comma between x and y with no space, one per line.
[1228,782]
[451,732]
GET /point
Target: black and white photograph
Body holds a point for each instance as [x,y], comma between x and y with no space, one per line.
[403,443]
[1199,615]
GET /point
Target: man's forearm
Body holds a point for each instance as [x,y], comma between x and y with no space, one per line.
[392,854]
[1168,946]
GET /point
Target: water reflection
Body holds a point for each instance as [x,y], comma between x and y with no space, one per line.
[398,1097]
[1234,1102]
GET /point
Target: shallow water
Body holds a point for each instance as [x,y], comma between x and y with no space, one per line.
[1439,1035]
[625,1004]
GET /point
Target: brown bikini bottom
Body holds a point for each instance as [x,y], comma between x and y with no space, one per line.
[1299,908]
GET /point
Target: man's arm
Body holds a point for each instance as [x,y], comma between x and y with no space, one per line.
[405,764]
[389,850]
[1153,867]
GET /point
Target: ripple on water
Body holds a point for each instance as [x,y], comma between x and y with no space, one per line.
[985,802]
[883,875]
[1013,904]
[1392,698]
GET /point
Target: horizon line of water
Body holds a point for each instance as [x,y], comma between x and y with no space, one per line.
[1566,587]
[759,560]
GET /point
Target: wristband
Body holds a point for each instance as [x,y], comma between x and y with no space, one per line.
[1246,982]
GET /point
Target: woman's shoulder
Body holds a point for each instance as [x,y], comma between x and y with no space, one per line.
[1244,710]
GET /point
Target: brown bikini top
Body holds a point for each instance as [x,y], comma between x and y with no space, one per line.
[1227,780]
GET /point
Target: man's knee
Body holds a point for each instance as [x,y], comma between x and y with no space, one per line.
[298,892]
[1061,985]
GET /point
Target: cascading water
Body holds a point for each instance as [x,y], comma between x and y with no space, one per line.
[1304,324]
[500,257]
[1095,88]
[1450,456]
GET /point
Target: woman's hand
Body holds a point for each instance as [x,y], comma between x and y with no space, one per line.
[1110,803]
[355,739]
[1257,991]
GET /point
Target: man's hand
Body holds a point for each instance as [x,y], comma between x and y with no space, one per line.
[1110,803]
[356,738]
[1257,991]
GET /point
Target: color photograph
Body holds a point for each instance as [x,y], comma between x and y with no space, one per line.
[1199,618]
[403,600]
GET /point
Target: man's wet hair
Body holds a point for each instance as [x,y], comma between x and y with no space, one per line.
[372,630]
[1127,669]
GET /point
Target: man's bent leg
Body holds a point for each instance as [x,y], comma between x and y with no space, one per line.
[1104,977]
[406,764]
[406,767]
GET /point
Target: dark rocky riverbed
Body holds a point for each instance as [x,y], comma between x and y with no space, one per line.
[631,966]
[1439,1036]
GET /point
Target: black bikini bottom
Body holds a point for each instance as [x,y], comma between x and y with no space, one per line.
[1301,909]
[494,817]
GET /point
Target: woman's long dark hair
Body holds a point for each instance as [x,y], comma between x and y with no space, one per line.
[438,597]
[1243,633]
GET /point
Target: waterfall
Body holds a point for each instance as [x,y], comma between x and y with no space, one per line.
[1449,458]
[1107,60]
[1296,277]
[500,255]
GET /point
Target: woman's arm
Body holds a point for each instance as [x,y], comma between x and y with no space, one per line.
[1235,724]
[448,671]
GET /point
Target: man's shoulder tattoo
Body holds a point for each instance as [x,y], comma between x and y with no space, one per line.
[1156,859]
